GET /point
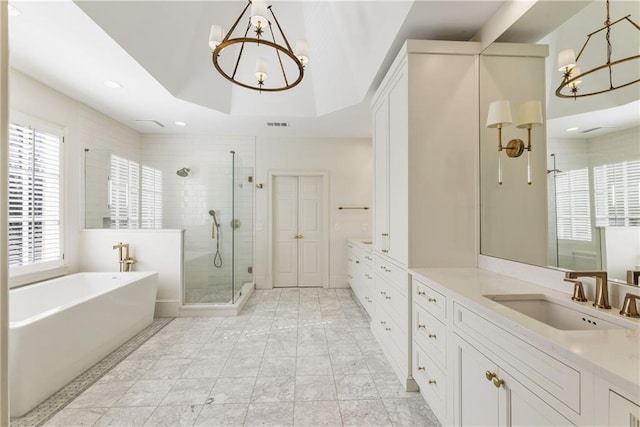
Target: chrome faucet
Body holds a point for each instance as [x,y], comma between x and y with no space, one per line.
[125,261]
[602,290]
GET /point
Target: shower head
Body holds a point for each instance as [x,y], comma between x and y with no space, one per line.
[184,172]
[212,212]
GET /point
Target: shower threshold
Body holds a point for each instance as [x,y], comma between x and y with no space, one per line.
[218,309]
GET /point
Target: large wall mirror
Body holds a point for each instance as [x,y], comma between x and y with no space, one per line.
[582,210]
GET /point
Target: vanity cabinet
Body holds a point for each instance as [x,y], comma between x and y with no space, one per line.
[360,273]
[488,393]
[424,129]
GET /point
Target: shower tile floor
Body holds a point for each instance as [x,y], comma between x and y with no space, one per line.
[302,357]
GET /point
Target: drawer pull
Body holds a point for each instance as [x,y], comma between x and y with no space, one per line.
[420,368]
[387,270]
[431,299]
[432,336]
[385,234]
[357,262]
[370,301]
[369,258]
[382,293]
[388,329]
[498,382]
[421,326]
[432,382]
[421,293]
[490,375]
[387,297]
[385,251]
[382,322]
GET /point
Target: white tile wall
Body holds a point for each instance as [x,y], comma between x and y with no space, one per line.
[187,201]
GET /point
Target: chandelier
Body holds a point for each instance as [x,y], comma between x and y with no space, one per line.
[571,75]
[266,44]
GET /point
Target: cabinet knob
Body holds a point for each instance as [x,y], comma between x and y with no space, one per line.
[432,336]
[490,375]
[420,326]
[498,382]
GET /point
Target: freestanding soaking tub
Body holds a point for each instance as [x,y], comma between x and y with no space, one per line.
[61,327]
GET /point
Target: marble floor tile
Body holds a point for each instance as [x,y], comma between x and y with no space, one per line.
[189,392]
[269,414]
[315,388]
[339,334]
[204,368]
[129,370]
[174,416]
[389,387]
[410,412]
[344,348]
[227,414]
[182,351]
[146,393]
[311,335]
[313,349]
[280,348]
[72,417]
[241,367]
[364,413]
[273,389]
[378,364]
[165,369]
[277,366]
[232,390]
[349,365]
[356,387]
[249,349]
[313,365]
[317,413]
[125,417]
[101,395]
[219,351]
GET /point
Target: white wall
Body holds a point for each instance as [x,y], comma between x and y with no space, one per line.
[84,128]
[349,164]
[154,250]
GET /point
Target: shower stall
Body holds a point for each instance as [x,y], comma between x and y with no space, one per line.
[217,216]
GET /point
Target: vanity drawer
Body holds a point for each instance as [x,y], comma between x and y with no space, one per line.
[430,334]
[397,276]
[543,374]
[432,381]
[368,259]
[431,300]
[392,302]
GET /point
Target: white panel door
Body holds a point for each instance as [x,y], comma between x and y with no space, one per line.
[310,230]
[298,234]
[285,244]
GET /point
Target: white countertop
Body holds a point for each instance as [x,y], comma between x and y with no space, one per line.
[612,354]
[363,243]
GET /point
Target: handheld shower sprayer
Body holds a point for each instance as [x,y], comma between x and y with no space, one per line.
[215,234]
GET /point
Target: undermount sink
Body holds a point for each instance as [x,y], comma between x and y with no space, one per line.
[559,314]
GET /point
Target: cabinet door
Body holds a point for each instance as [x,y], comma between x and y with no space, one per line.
[476,398]
[381,176]
[399,168]
[623,412]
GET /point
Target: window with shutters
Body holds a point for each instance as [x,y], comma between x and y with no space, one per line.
[151,199]
[124,196]
[573,205]
[35,227]
[617,194]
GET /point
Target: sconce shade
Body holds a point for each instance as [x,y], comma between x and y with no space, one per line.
[529,114]
[499,114]
[566,59]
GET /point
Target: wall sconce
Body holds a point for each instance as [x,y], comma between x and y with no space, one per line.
[499,116]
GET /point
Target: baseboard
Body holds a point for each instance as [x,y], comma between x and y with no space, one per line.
[338,282]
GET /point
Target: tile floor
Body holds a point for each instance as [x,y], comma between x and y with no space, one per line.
[303,357]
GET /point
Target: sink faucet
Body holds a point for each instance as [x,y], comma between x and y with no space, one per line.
[125,261]
[602,291]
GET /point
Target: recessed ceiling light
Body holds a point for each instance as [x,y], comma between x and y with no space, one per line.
[14,11]
[179,123]
[112,84]
[572,129]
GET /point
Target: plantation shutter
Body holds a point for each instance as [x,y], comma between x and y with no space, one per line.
[124,203]
[573,211]
[151,198]
[34,230]
[617,192]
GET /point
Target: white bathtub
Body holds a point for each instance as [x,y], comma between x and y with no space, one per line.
[61,327]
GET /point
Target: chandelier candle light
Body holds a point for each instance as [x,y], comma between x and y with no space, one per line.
[270,41]
[571,75]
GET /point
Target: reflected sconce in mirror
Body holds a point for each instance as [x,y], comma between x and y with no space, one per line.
[529,116]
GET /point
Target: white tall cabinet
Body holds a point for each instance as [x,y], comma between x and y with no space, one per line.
[425,134]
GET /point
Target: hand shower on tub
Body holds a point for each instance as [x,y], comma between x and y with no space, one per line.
[215,234]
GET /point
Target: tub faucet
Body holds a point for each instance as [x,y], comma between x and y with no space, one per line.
[602,291]
[125,261]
